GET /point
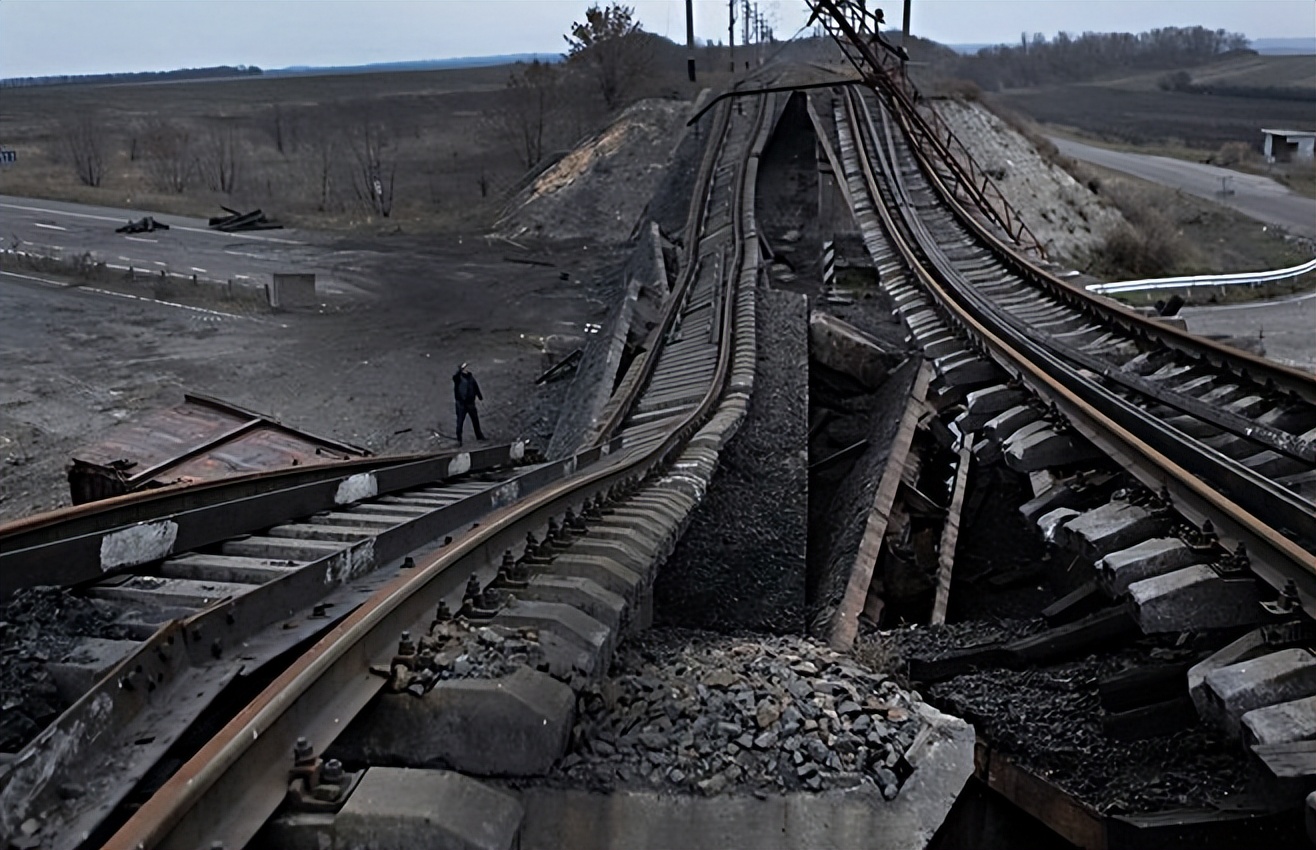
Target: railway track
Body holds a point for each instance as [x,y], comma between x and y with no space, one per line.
[312,583]
[225,581]
[1225,436]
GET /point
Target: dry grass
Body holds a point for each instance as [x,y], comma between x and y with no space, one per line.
[298,144]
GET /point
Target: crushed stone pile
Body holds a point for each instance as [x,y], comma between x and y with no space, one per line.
[463,649]
[703,713]
[599,189]
[1065,216]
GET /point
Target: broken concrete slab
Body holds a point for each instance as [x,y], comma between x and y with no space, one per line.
[1157,556]
[1194,598]
[401,809]
[1234,690]
[841,346]
[942,759]
[1052,521]
[515,725]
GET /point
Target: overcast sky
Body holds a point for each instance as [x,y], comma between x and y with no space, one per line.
[43,37]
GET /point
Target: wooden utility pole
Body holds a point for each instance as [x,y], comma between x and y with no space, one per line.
[904,33]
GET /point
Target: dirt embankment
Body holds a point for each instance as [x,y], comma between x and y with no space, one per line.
[600,189]
[1065,215]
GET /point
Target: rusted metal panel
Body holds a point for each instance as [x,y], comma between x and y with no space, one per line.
[201,439]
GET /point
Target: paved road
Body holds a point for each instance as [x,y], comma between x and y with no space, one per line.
[1285,326]
[1254,196]
[189,247]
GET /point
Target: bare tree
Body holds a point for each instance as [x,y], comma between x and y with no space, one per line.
[167,155]
[612,46]
[85,142]
[218,157]
[370,139]
[528,116]
[283,125]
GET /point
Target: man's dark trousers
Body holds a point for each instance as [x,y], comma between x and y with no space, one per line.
[463,411]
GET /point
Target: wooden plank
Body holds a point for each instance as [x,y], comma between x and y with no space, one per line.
[950,533]
[845,624]
[1064,814]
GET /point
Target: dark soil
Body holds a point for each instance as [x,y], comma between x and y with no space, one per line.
[37,626]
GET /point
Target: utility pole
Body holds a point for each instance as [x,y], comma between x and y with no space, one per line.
[731,31]
[904,33]
[690,38]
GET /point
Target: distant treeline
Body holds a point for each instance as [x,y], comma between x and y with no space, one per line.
[1067,59]
[137,76]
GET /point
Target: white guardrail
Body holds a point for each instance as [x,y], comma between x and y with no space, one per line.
[1249,278]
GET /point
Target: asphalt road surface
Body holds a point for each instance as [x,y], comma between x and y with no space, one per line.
[1285,326]
[189,247]
[1254,196]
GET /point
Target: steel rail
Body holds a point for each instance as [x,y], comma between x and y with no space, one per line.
[238,779]
[69,547]
[620,409]
[1274,556]
[1284,509]
[126,722]
[1283,442]
[898,87]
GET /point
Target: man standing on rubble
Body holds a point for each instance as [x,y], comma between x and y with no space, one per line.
[465,391]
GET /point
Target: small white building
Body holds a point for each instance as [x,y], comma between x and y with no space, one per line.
[1288,145]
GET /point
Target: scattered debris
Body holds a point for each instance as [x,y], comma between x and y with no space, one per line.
[201,439]
[236,221]
[561,370]
[146,224]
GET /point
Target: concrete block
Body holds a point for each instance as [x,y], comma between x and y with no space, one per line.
[968,370]
[1160,555]
[605,570]
[581,593]
[1003,425]
[86,664]
[402,809]
[1248,646]
[1194,598]
[1282,723]
[1115,525]
[1045,448]
[986,404]
[1283,676]
[1050,500]
[571,639]
[1052,521]
[516,725]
